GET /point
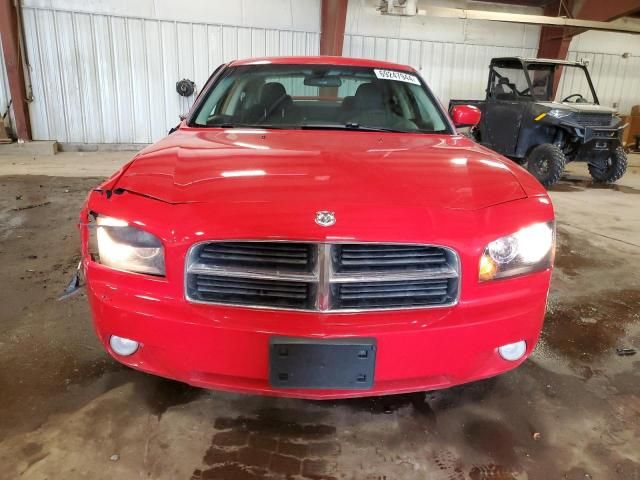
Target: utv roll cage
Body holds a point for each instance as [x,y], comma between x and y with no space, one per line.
[524,64]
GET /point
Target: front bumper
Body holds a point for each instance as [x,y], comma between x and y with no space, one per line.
[227,348]
[590,133]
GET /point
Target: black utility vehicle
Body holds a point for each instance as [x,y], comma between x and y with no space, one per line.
[544,113]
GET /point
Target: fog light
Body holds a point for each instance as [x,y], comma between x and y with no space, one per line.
[123,346]
[513,351]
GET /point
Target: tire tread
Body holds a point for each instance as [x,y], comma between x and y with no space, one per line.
[614,173]
[557,158]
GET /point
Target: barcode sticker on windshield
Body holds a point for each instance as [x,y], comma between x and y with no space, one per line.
[394,75]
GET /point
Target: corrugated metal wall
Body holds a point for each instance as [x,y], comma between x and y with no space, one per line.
[111,79]
[615,78]
[4,86]
[452,70]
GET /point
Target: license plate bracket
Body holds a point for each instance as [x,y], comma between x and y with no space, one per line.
[347,364]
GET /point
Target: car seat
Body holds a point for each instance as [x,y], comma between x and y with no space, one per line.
[371,109]
[273,105]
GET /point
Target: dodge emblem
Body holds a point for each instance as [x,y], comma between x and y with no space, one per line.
[325,218]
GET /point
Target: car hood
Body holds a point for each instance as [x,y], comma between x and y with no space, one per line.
[323,168]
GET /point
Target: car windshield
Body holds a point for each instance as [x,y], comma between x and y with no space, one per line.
[320,97]
[571,83]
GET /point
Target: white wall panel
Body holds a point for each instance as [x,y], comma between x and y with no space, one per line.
[5,95]
[451,54]
[107,78]
[301,15]
[608,42]
[459,70]
[363,18]
[615,78]
[452,70]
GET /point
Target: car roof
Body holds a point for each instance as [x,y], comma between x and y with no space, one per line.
[538,60]
[323,60]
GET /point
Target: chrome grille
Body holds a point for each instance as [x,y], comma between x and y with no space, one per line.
[371,258]
[397,294]
[271,255]
[244,291]
[322,276]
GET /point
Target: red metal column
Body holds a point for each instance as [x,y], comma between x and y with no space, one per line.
[334,17]
[554,41]
[15,73]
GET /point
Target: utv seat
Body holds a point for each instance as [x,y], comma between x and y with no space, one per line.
[504,90]
[539,88]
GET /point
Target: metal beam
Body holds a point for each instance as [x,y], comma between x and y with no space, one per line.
[10,34]
[333,19]
[463,14]
[555,41]
[605,11]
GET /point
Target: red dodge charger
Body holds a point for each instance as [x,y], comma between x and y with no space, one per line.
[316,227]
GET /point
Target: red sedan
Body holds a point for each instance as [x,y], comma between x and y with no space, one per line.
[317,228]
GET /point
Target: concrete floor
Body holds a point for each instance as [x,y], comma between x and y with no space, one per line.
[68,411]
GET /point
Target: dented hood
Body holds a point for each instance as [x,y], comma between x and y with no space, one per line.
[323,167]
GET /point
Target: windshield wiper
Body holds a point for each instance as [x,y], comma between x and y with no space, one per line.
[349,126]
[365,128]
[328,126]
[248,125]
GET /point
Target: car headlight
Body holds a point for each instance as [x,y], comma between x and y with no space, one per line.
[116,244]
[558,113]
[528,250]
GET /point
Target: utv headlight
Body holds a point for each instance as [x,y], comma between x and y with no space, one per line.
[118,245]
[558,113]
[528,250]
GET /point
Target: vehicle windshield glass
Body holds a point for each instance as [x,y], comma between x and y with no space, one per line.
[320,97]
[508,81]
[571,83]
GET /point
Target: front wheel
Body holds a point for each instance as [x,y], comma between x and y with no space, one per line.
[612,169]
[546,163]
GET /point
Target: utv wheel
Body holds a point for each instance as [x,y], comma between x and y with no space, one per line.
[612,170]
[474,133]
[546,163]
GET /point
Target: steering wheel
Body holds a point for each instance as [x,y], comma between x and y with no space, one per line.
[579,95]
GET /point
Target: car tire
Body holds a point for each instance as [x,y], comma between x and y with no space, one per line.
[615,169]
[546,162]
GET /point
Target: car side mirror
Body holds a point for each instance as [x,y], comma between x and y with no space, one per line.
[465,115]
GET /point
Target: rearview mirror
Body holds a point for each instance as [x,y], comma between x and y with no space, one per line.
[465,116]
[323,81]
